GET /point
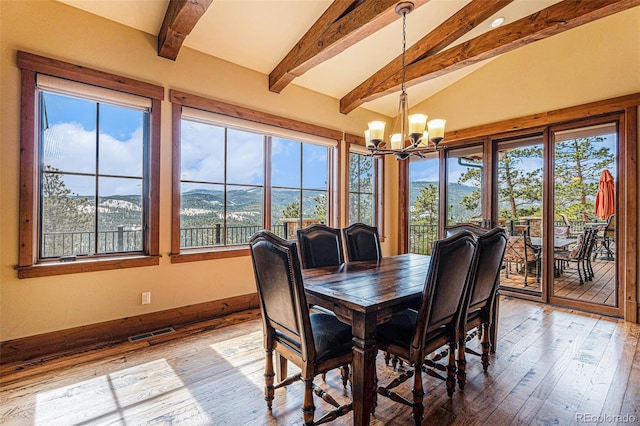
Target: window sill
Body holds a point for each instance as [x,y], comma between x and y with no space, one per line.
[89,265]
[195,255]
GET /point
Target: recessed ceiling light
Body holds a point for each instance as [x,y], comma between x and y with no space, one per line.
[497,22]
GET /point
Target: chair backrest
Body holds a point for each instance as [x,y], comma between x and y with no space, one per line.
[471,227]
[561,231]
[584,244]
[610,229]
[490,250]
[445,287]
[285,314]
[519,248]
[362,242]
[565,219]
[320,245]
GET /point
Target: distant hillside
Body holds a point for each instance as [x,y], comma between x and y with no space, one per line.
[456,193]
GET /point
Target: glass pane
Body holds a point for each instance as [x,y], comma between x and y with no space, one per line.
[201,152]
[121,140]
[245,157]
[585,179]
[314,207]
[361,208]
[68,134]
[464,185]
[423,204]
[285,212]
[315,168]
[244,213]
[520,166]
[119,215]
[201,215]
[68,215]
[285,163]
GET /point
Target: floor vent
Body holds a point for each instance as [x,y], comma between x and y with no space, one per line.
[150,334]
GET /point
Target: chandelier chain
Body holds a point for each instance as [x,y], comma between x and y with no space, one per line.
[404,46]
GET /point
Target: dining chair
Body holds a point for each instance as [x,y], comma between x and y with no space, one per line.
[362,242]
[315,342]
[320,245]
[412,335]
[471,227]
[481,296]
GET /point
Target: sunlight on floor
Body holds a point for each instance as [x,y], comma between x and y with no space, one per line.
[113,397]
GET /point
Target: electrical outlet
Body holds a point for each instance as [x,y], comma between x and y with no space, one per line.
[146,298]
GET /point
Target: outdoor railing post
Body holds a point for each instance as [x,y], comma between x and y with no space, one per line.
[120,238]
[217,234]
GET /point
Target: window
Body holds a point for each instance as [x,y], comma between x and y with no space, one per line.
[221,184]
[465,185]
[88,172]
[363,186]
[424,177]
[237,176]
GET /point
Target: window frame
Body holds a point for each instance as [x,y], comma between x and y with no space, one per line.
[29,264]
[182,99]
[378,170]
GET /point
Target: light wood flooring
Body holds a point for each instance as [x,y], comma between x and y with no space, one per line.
[552,366]
[601,289]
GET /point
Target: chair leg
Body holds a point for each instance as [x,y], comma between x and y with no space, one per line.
[281,368]
[486,346]
[462,362]
[344,373]
[308,408]
[451,369]
[418,395]
[268,378]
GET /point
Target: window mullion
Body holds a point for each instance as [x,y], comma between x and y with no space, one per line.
[97,173]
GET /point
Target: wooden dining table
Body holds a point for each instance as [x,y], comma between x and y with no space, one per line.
[364,295]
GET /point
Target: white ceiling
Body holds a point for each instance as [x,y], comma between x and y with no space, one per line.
[257,34]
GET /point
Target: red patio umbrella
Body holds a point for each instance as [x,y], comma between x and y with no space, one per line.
[606,197]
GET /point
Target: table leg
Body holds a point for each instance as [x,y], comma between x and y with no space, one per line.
[364,367]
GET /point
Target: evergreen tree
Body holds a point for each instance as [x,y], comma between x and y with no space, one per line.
[578,164]
[517,187]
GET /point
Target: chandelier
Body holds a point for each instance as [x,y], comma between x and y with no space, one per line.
[412,139]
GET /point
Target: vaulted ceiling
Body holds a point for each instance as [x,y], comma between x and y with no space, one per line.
[350,49]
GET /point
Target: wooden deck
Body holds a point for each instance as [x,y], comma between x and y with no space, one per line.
[552,366]
[600,290]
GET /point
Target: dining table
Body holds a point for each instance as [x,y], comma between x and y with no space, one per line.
[365,294]
[558,243]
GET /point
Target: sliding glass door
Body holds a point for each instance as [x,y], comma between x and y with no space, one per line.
[585,176]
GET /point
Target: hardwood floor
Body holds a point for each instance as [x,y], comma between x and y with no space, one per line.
[552,366]
[599,290]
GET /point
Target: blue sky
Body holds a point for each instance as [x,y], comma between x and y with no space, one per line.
[70,146]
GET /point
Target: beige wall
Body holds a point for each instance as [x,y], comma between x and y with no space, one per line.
[35,306]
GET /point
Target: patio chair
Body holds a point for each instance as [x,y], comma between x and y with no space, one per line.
[521,253]
[471,227]
[605,238]
[577,256]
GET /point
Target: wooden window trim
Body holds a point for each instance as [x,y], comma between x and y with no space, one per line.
[178,100]
[29,265]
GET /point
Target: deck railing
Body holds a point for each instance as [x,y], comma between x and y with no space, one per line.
[57,244]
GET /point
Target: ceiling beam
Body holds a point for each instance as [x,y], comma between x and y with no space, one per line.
[442,36]
[553,20]
[179,20]
[343,24]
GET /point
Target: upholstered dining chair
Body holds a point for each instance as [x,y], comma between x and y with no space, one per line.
[362,242]
[315,342]
[412,335]
[481,296]
[320,245]
[471,227]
